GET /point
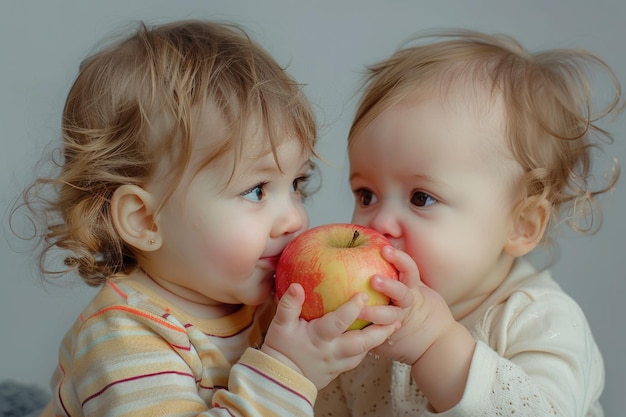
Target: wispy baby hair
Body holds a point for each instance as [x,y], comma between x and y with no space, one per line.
[134,104]
[551,127]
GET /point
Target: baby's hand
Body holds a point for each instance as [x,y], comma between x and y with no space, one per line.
[321,349]
[423,313]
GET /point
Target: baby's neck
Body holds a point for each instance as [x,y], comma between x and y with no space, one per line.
[466,306]
[184,301]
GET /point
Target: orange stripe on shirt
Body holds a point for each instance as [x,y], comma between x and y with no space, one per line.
[140,313]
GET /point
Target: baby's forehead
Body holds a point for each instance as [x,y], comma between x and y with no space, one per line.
[241,149]
[247,129]
[478,99]
[484,108]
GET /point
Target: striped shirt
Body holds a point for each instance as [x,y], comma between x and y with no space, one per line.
[132,354]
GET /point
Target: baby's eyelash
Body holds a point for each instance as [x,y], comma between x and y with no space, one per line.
[259,185]
[302,185]
[256,193]
[303,179]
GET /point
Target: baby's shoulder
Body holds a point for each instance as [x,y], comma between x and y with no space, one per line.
[529,288]
[533,302]
[119,298]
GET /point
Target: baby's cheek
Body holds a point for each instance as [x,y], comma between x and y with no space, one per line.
[237,255]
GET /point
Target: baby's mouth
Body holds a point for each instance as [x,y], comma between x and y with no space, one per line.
[273,260]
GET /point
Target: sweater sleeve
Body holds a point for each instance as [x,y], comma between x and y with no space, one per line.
[543,361]
[271,387]
[122,360]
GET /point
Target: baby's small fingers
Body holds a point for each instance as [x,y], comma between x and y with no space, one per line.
[406,266]
[359,342]
[382,315]
[333,324]
[400,294]
[290,305]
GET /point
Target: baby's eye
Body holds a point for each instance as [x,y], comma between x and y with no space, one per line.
[255,193]
[298,184]
[421,199]
[365,197]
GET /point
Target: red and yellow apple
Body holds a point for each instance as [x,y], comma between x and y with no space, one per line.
[333,262]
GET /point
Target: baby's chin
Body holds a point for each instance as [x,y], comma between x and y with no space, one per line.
[261,287]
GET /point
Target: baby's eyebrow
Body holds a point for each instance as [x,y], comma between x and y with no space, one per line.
[353,175]
[424,178]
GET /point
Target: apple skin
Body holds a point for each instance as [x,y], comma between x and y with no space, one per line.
[332,265]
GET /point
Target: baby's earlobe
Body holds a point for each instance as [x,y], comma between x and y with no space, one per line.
[132,213]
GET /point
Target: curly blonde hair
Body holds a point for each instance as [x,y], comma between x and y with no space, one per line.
[551,129]
[133,104]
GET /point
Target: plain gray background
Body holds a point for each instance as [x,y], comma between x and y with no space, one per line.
[325,45]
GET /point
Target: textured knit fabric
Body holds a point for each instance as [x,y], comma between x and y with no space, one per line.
[535,356]
[131,354]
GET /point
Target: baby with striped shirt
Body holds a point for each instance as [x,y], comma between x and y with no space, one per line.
[186,152]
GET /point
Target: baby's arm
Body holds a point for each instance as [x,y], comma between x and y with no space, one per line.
[540,358]
[438,348]
[321,349]
[124,360]
[543,359]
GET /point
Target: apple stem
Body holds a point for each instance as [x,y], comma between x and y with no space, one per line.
[354,237]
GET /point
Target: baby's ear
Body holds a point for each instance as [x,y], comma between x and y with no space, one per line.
[132,212]
[529,224]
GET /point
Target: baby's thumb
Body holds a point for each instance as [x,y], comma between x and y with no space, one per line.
[290,305]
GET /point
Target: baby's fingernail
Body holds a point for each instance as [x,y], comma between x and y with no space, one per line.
[292,291]
[388,249]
